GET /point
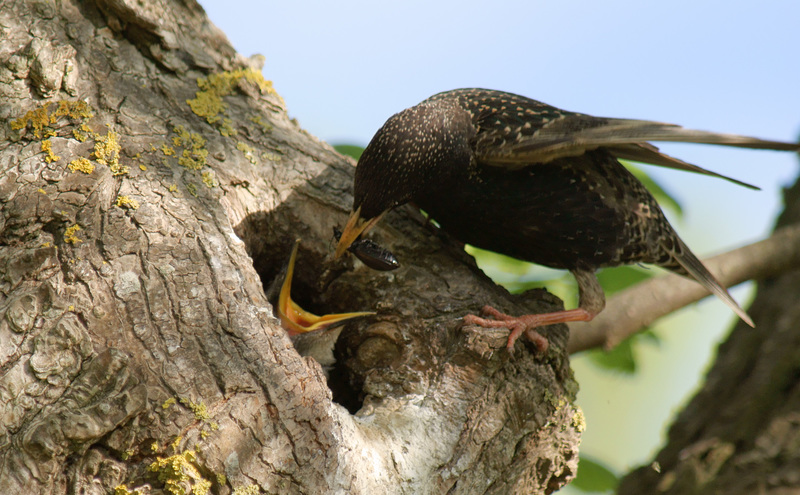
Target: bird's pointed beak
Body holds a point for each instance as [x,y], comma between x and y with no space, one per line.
[354,228]
[297,320]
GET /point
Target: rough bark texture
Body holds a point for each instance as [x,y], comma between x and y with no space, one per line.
[741,433]
[137,346]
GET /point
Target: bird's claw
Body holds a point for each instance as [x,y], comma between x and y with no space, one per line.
[516,325]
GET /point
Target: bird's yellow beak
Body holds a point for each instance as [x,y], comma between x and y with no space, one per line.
[297,320]
[354,228]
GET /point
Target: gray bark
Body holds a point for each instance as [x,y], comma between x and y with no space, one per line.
[740,434]
[139,348]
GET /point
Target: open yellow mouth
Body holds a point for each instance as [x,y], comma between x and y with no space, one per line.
[295,319]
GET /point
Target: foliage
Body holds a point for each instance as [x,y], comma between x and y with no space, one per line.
[594,477]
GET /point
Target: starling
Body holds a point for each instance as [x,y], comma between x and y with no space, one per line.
[519,177]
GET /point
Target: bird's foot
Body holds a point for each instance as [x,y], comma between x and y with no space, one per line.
[516,324]
[527,323]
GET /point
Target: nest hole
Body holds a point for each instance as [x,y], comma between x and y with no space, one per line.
[270,252]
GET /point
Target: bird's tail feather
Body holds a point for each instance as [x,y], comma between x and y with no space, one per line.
[698,271]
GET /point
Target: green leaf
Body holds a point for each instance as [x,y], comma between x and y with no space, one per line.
[620,278]
[665,199]
[349,149]
[498,261]
[621,358]
[594,476]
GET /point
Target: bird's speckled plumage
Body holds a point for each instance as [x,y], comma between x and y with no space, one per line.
[520,177]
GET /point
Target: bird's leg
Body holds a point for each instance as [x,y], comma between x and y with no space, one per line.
[592,302]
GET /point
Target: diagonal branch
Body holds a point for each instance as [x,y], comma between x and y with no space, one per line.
[629,311]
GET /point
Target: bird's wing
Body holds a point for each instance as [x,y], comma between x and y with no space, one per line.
[573,134]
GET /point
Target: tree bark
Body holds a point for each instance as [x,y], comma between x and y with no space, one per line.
[138,231]
[741,433]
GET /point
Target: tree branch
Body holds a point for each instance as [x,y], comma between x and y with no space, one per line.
[629,311]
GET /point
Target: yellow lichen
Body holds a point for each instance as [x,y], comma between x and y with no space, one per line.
[273,157]
[208,102]
[106,152]
[168,403]
[198,408]
[45,244]
[192,189]
[82,133]
[169,150]
[226,128]
[248,152]
[176,443]
[221,479]
[42,191]
[173,188]
[194,155]
[81,165]
[37,118]
[208,180]
[193,159]
[47,147]
[123,490]
[256,119]
[40,119]
[246,490]
[154,447]
[78,110]
[142,167]
[127,202]
[579,420]
[180,471]
[70,235]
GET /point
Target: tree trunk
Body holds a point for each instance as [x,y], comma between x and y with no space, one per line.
[152,186]
[741,433]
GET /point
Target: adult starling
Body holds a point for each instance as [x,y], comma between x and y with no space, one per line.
[516,176]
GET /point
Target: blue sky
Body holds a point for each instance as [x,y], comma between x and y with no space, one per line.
[730,66]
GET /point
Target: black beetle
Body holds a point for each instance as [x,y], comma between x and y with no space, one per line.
[371,253]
